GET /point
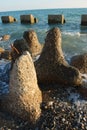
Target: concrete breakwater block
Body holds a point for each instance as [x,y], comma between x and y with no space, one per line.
[28,19]
[80,62]
[1,50]
[8,19]
[56,19]
[33,42]
[5,37]
[25,97]
[51,67]
[83,88]
[6,54]
[84,20]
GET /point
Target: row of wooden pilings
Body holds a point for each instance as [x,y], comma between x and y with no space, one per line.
[52,19]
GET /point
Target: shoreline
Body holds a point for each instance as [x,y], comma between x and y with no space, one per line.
[58,112]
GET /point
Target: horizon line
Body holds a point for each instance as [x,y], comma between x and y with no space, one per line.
[44,9]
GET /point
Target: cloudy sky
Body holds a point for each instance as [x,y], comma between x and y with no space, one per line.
[9,5]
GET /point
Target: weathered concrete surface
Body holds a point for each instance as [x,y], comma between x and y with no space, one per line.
[84,20]
[25,97]
[29,18]
[8,19]
[31,38]
[52,67]
[52,19]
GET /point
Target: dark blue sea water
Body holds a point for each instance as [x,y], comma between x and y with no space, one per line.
[74,37]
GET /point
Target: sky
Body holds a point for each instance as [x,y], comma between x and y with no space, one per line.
[11,5]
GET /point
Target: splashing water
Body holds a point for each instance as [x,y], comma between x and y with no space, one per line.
[4,77]
[84,80]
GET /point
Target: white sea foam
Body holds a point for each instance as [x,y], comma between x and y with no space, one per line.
[74,96]
[76,99]
[84,80]
[5,66]
[72,33]
[3,63]
[36,58]
[78,34]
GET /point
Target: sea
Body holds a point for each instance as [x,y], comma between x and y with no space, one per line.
[74,36]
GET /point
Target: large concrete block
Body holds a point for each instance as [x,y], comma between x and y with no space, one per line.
[8,19]
[51,66]
[52,19]
[84,20]
[25,97]
[28,19]
[34,46]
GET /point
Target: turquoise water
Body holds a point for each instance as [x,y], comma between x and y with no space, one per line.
[74,37]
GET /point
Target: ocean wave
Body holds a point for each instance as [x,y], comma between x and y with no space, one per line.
[84,80]
[76,98]
[74,34]
[4,76]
